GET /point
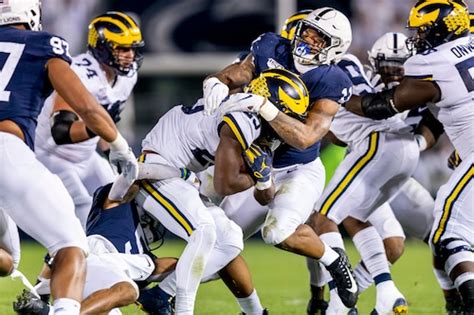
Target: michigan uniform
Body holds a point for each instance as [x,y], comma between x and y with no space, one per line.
[29,193]
[299,174]
[451,66]
[185,137]
[371,173]
[79,166]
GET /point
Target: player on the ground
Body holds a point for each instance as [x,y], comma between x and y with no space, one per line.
[440,74]
[45,60]
[321,39]
[109,71]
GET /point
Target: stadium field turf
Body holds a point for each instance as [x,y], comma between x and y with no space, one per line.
[281,280]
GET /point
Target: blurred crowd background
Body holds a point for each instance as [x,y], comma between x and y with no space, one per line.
[186,40]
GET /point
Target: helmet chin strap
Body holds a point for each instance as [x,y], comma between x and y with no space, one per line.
[303,68]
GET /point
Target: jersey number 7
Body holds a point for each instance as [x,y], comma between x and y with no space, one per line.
[14,52]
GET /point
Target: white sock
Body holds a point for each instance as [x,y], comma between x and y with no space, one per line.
[370,246]
[329,255]
[251,305]
[317,274]
[363,277]
[333,239]
[190,267]
[444,280]
[65,306]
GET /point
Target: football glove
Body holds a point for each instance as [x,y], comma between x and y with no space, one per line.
[252,103]
[259,162]
[375,80]
[454,160]
[214,92]
[122,159]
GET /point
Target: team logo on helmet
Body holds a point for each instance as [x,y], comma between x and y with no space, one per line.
[111,31]
[284,89]
[289,27]
[437,22]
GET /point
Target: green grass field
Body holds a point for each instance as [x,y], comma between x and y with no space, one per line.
[281,280]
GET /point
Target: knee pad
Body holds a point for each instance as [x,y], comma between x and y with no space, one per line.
[207,232]
[466,289]
[453,251]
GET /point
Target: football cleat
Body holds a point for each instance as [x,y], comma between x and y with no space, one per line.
[155,301]
[399,307]
[454,306]
[316,307]
[343,276]
[29,304]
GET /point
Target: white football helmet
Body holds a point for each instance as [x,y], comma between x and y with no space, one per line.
[21,12]
[333,27]
[389,47]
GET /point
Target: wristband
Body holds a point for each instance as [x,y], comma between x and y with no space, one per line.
[421,141]
[268,111]
[119,144]
[264,185]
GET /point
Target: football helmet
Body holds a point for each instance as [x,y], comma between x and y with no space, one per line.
[284,89]
[387,56]
[114,30]
[437,22]
[332,27]
[289,27]
[26,12]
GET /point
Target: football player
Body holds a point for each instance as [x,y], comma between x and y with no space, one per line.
[109,71]
[440,74]
[9,245]
[185,137]
[321,39]
[36,210]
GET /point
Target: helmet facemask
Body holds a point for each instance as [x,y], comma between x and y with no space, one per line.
[315,53]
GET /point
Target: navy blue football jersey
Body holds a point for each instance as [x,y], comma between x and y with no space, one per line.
[119,225]
[323,82]
[24,83]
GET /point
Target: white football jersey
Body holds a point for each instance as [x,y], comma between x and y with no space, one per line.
[451,66]
[185,137]
[93,77]
[352,128]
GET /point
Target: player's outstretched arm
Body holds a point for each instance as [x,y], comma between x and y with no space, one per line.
[301,135]
[409,94]
[70,87]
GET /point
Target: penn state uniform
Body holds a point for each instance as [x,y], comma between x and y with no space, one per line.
[79,166]
[451,65]
[371,173]
[185,137]
[30,194]
[299,174]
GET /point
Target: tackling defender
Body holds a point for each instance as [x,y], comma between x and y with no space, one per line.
[44,57]
[441,74]
[320,40]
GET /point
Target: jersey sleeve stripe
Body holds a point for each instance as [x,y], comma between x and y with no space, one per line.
[234,126]
[347,179]
[449,203]
[427,77]
[169,206]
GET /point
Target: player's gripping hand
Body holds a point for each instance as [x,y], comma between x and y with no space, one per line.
[375,80]
[454,160]
[259,162]
[122,158]
[247,102]
[214,92]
